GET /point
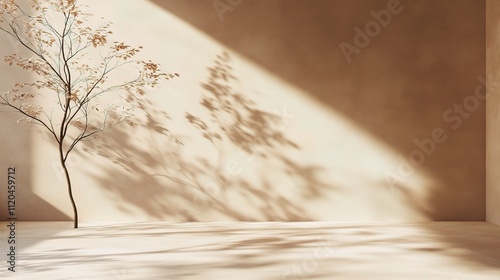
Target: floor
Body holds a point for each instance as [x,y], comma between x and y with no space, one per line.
[271,250]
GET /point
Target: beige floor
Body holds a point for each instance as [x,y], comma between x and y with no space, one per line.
[319,250]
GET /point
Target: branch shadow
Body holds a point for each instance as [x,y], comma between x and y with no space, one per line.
[272,250]
[397,88]
[17,150]
[162,178]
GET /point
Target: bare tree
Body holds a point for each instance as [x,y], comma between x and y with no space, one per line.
[74,65]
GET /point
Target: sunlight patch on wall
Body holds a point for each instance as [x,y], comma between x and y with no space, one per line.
[323,166]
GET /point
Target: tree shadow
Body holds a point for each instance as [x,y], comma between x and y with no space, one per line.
[162,178]
[397,88]
[273,250]
[17,151]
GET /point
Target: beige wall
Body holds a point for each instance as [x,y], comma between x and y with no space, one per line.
[492,112]
[16,152]
[344,148]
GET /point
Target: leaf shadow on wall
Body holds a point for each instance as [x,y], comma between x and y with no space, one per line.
[396,89]
[160,179]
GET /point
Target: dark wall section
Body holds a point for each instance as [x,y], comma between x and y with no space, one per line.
[412,76]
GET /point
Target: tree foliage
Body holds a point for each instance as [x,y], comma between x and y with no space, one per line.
[73,63]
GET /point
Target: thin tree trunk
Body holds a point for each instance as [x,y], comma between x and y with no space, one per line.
[70,189]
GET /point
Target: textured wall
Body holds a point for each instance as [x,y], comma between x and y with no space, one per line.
[401,85]
[374,127]
[493,112]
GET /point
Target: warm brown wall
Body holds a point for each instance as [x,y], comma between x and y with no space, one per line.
[427,59]
[492,112]
[354,124]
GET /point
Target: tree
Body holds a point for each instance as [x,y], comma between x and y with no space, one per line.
[74,65]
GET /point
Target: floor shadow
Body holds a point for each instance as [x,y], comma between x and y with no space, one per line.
[271,250]
[398,88]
